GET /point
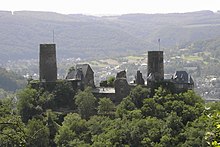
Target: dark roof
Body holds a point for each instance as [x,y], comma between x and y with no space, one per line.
[80,69]
[182,77]
[75,74]
[84,67]
[71,74]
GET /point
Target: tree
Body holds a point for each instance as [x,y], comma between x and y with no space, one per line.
[212,136]
[63,95]
[37,133]
[72,131]
[111,81]
[97,124]
[106,107]
[191,105]
[27,100]
[191,98]
[32,102]
[52,125]
[86,103]
[172,129]
[115,134]
[125,107]
[194,132]
[152,108]
[11,126]
[138,94]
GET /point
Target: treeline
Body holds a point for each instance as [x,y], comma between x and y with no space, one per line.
[139,120]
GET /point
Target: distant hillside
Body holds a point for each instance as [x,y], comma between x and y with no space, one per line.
[9,81]
[93,37]
[209,51]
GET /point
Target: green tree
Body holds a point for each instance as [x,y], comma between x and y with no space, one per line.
[27,103]
[115,134]
[37,133]
[212,107]
[138,94]
[152,108]
[191,106]
[194,132]
[32,102]
[128,132]
[11,126]
[106,107]
[125,107]
[146,132]
[97,124]
[191,98]
[51,122]
[72,131]
[212,135]
[172,129]
[63,95]
[111,81]
[86,103]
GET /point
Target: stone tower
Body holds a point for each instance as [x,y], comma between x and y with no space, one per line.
[155,66]
[48,64]
[139,78]
[122,88]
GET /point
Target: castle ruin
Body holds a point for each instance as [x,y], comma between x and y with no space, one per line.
[83,76]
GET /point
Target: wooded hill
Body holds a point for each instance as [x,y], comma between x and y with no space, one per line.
[10,81]
[85,36]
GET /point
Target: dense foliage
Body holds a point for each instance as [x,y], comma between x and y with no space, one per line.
[139,120]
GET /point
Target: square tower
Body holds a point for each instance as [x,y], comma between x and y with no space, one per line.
[48,64]
[155,66]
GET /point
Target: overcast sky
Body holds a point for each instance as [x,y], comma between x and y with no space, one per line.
[110,7]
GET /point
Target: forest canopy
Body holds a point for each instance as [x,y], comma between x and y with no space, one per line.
[138,120]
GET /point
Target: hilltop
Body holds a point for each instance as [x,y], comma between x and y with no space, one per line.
[87,37]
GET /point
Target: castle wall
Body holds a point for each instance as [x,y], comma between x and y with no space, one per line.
[48,64]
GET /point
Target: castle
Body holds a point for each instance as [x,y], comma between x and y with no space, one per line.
[82,76]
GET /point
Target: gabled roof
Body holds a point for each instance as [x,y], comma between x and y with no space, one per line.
[84,68]
[80,71]
[71,75]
